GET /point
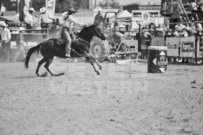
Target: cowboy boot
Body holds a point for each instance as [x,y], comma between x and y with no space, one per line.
[68,51]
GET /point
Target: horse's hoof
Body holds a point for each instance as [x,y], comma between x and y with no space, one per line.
[37,74]
[44,75]
[59,74]
[98,73]
[100,67]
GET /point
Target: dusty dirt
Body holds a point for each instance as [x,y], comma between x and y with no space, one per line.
[124,100]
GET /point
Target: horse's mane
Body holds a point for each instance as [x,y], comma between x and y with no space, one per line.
[87,27]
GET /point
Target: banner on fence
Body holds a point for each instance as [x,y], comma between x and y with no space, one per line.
[132,44]
[173,45]
[145,42]
[50,6]
[187,45]
[157,41]
[200,48]
[28,44]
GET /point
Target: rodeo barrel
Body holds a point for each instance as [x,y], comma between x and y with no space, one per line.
[157,59]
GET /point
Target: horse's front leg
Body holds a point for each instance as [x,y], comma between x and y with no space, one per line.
[92,64]
[98,64]
[91,60]
[95,61]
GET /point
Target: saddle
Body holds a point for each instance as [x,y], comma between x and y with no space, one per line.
[59,43]
[56,43]
[75,42]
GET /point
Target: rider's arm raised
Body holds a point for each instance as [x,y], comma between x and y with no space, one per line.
[75,21]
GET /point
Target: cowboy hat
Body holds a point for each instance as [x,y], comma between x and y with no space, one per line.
[121,26]
[3,24]
[32,9]
[72,10]
[69,12]
[99,9]
[42,10]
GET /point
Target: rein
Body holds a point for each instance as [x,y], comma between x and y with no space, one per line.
[83,40]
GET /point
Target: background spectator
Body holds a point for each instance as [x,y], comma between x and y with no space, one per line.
[29,18]
[5,40]
[45,18]
[3,9]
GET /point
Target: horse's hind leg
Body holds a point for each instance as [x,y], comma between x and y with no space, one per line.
[48,62]
[39,64]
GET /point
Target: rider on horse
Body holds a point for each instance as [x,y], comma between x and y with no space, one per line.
[65,36]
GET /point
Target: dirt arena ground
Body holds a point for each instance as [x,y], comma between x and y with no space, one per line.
[124,100]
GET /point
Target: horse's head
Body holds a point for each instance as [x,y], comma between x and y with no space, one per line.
[99,33]
[88,32]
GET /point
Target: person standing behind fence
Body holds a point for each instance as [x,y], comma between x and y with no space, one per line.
[29,18]
[98,20]
[199,28]
[5,39]
[3,9]
[45,19]
[21,44]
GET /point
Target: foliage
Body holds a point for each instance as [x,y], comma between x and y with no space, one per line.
[10,5]
[61,5]
[110,4]
[37,4]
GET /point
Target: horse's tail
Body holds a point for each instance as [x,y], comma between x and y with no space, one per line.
[30,52]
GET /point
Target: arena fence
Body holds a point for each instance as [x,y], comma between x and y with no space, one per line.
[31,38]
[186,49]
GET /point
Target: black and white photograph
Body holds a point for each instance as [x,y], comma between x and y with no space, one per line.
[101,67]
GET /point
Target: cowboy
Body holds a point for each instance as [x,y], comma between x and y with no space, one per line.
[45,18]
[121,29]
[29,18]
[2,9]
[65,36]
[5,33]
[98,18]
[21,42]
[116,39]
[5,38]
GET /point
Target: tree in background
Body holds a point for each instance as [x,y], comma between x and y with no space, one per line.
[11,5]
[37,4]
[64,5]
[84,4]
[77,4]
[110,4]
[61,5]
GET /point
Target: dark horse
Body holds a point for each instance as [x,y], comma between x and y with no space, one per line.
[80,48]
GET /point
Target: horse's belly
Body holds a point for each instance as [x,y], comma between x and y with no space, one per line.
[80,47]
